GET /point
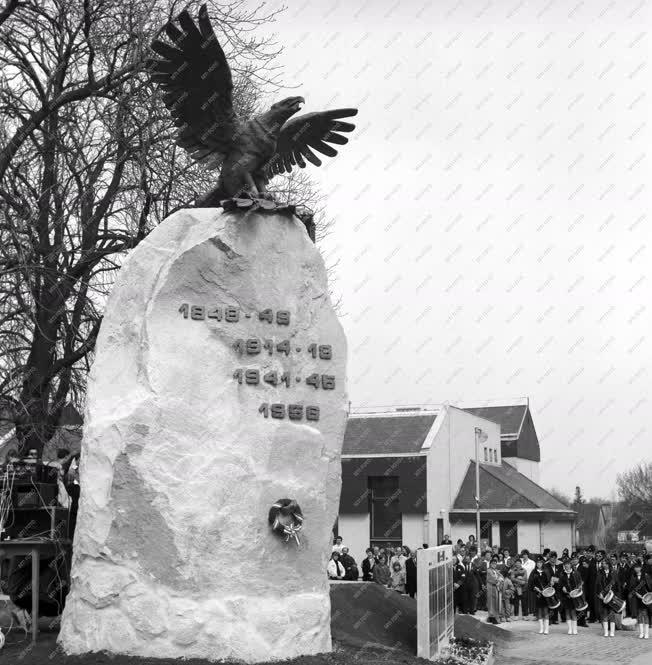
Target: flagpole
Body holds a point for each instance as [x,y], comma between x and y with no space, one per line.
[477,488]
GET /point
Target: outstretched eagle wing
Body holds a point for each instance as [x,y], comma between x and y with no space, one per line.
[312,131]
[197,87]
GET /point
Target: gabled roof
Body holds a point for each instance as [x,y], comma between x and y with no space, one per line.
[517,433]
[510,418]
[636,522]
[588,516]
[503,487]
[386,434]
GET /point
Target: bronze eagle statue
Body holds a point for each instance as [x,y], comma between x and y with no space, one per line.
[197,86]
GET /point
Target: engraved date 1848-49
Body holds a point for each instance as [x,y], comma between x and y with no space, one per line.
[232,314]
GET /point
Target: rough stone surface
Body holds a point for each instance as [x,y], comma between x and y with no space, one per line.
[173,553]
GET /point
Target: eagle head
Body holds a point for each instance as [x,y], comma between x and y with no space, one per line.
[286,108]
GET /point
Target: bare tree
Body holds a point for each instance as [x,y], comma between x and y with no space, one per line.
[88,166]
[561,496]
[8,10]
[299,189]
[635,487]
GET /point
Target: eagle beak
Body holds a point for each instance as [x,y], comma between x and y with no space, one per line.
[298,104]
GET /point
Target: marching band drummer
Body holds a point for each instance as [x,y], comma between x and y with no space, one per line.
[577,568]
[554,568]
[537,582]
[569,579]
[607,581]
[640,584]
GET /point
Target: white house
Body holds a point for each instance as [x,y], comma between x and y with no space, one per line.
[408,477]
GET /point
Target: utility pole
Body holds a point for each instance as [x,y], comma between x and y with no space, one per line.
[479,436]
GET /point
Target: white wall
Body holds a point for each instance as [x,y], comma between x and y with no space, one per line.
[526,467]
[451,450]
[413,531]
[528,535]
[461,530]
[557,535]
[532,535]
[495,532]
[354,529]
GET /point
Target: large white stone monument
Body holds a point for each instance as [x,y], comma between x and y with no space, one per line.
[218,388]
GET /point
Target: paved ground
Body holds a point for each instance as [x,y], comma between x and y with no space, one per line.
[588,647]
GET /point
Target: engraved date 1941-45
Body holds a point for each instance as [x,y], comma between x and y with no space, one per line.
[251,377]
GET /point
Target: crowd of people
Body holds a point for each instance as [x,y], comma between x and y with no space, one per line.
[393,567]
[579,587]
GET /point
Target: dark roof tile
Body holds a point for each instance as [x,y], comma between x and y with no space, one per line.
[504,487]
[508,417]
[386,434]
[588,515]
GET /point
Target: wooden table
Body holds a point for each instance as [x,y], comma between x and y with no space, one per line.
[34,547]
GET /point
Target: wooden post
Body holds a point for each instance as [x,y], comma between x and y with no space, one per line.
[36,560]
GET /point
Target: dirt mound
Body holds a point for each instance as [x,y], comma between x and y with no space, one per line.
[366,615]
[478,629]
[370,625]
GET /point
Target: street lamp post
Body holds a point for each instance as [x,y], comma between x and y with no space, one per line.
[479,436]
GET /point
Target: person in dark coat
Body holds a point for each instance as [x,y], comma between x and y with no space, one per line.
[381,571]
[480,567]
[350,566]
[576,565]
[473,582]
[460,571]
[594,564]
[624,572]
[469,587]
[569,580]
[607,581]
[410,572]
[639,584]
[647,564]
[368,566]
[554,569]
[537,582]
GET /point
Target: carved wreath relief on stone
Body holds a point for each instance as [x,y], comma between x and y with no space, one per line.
[197,86]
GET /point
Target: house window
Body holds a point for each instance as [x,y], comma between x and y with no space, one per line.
[485,455]
[485,531]
[386,518]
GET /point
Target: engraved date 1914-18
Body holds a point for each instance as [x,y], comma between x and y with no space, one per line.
[253,346]
[232,314]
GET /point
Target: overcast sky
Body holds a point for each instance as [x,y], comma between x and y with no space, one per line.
[491,210]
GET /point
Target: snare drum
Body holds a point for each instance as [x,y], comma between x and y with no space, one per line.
[579,602]
[614,602]
[647,599]
[550,595]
